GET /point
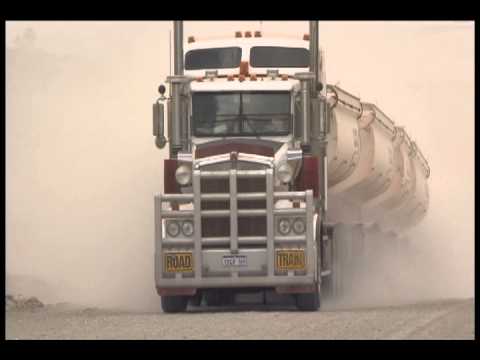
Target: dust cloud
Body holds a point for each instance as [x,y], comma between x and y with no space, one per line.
[82,167]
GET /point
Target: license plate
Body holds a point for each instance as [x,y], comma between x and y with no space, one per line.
[234,260]
[178,262]
[290,260]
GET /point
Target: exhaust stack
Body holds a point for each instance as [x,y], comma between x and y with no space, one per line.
[178,47]
[314,54]
[179,137]
[318,120]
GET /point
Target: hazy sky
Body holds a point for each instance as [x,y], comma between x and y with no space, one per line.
[82,167]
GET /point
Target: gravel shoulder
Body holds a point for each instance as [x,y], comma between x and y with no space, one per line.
[452,319]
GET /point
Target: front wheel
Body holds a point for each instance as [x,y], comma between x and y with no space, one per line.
[174,304]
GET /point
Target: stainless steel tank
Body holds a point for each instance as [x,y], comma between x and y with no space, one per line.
[376,174]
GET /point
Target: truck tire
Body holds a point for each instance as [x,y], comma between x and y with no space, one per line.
[174,304]
[308,301]
[328,290]
[219,297]
[212,298]
[196,300]
[325,256]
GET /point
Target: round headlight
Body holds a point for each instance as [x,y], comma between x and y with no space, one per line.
[284,173]
[183,175]
[299,226]
[284,226]
[173,229]
[187,228]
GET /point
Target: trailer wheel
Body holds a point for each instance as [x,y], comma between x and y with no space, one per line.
[174,304]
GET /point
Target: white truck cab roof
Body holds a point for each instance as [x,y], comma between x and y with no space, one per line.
[245,44]
[261,84]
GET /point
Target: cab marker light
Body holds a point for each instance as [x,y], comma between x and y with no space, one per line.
[272,73]
[211,74]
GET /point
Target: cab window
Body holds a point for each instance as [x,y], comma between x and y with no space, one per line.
[215,58]
[275,56]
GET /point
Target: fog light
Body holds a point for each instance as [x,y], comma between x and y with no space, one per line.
[183,175]
[187,228]
[284,226]
[173,229]
[284,173]
[299,226]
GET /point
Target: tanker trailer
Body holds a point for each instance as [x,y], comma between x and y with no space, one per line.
[377,183]
[273,177]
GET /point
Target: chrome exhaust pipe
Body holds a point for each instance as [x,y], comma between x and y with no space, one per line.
[314,54]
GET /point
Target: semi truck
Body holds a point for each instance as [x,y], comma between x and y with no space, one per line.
[275,181]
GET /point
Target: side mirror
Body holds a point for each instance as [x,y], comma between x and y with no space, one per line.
[158,125]
[162,90]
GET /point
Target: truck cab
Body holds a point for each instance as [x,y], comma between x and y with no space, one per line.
[240,207]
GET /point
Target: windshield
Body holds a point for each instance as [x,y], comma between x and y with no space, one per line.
[216,58]
[274,56]
[241,114]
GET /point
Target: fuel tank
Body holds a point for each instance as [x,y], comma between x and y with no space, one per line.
[377,176]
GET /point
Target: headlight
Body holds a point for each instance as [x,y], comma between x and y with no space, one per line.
[284,226]
[173,228]
[299,226]
[187,228]
[183,175]
[284,173]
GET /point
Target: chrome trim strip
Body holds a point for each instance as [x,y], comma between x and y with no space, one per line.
[240,173]
[242,240]
[225,213]
[168,214]
[280,195]
[270,225]
[197,221]
[310,242]
[251,158]
[158,237]
[241,281]
[233,211]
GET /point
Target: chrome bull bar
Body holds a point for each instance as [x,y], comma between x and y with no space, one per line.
[271,240]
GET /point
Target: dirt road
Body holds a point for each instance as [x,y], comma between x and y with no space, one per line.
[434,320]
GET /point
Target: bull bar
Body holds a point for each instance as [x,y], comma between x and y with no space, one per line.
[201,257]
